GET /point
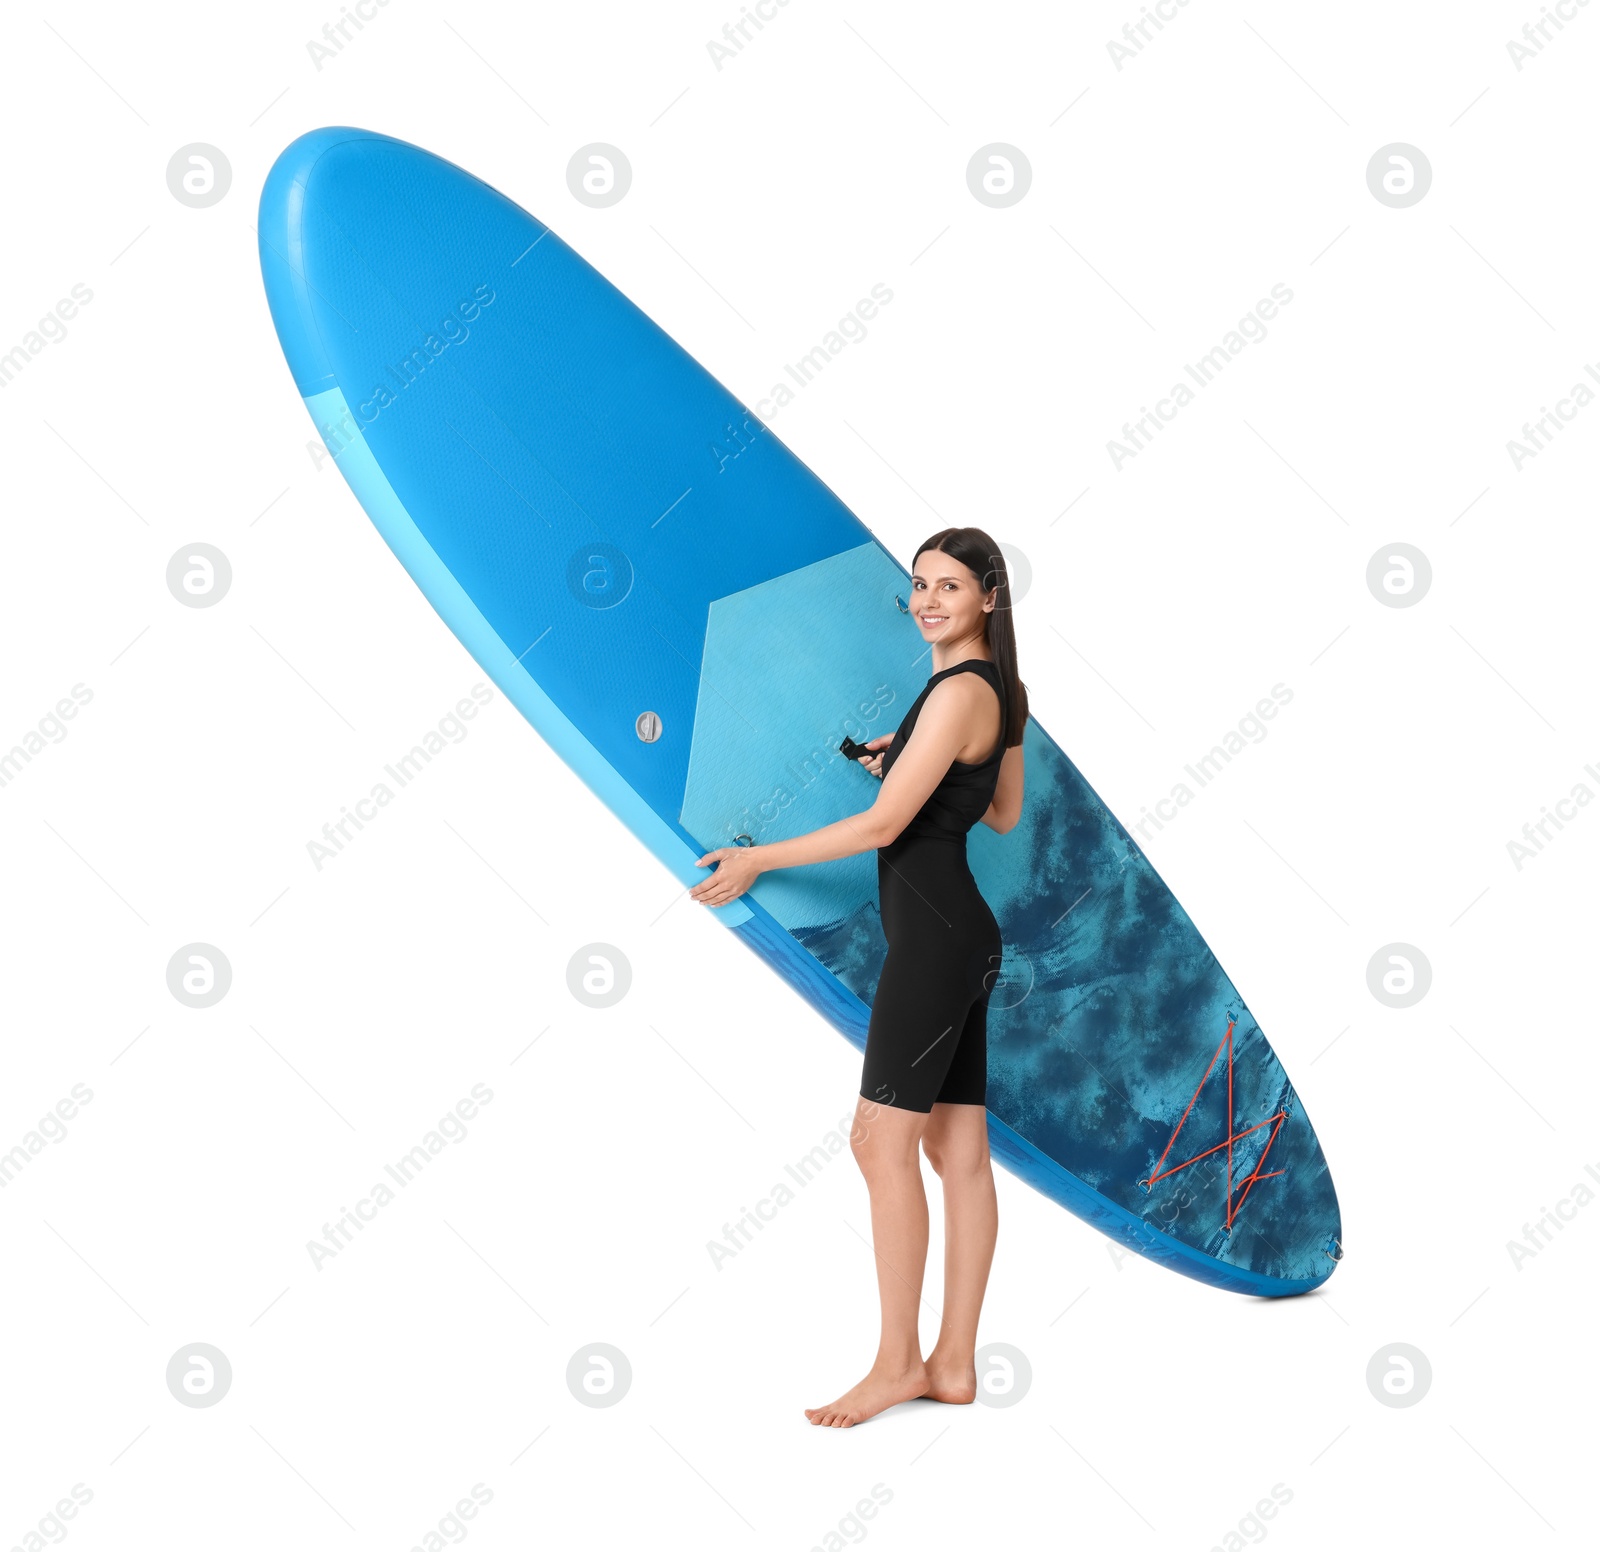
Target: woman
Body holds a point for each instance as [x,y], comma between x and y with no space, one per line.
[956,759]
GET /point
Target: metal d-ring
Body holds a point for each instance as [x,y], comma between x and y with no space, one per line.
[744,840]
[901,604]
[1334,1255]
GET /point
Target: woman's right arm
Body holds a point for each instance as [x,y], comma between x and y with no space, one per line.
[873,764]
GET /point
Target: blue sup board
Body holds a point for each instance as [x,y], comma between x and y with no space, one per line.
[631,556]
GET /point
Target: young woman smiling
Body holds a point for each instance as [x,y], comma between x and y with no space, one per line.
[955,760]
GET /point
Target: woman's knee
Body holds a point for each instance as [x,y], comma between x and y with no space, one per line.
[956,1152]
[885,1138]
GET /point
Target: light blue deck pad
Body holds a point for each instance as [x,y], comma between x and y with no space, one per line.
[610,532]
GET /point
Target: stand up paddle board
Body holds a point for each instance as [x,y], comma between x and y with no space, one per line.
[631,555]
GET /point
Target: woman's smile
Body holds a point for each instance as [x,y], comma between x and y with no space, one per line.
[948,601]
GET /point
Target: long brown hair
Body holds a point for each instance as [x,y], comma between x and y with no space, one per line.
[985,560]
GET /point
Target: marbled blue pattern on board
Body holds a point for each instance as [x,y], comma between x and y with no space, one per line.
[1110,1006]
[1109,1010]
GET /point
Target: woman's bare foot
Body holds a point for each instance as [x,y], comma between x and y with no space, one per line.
[951,1379]
[881,1389]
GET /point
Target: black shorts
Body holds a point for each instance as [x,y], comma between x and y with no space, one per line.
[927,1041]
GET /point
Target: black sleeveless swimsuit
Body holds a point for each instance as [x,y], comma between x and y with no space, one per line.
[927,1039]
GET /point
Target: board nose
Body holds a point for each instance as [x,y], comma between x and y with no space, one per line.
[279,232]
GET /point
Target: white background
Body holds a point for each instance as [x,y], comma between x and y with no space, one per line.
[369,997]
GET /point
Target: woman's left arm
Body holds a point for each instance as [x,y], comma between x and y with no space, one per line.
[1006,809]
[738,867]
[940,732]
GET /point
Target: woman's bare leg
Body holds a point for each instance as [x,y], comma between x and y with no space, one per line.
[884,1142]
[956,1141]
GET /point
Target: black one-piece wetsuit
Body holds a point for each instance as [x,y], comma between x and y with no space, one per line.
[927,1039]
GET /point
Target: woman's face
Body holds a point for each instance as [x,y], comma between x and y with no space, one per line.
[947,601]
